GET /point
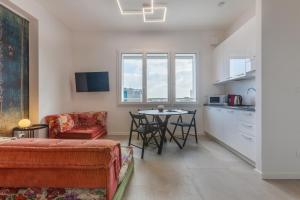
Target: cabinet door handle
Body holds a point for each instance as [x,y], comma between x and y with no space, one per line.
[247,137]
[247,126]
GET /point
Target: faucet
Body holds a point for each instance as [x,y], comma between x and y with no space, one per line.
[249,89]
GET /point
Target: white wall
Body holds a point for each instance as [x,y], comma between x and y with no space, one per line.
[98,52]
[280,88]
[238,23]
[50,49]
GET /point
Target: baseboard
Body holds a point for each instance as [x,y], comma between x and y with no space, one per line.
[281,175]
[235,152]
[258,171]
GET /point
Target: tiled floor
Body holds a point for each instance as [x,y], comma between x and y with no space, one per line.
[205,171]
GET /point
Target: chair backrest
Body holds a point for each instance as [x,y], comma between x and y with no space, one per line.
[152,118]
[193,114]
[138,120]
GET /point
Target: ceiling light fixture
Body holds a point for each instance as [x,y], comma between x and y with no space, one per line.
[147,11]
[135,12]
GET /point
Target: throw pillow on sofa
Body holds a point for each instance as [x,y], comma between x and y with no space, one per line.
[101,118]
[87,119]
[65,122]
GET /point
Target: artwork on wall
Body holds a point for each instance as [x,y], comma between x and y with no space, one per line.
[14,70]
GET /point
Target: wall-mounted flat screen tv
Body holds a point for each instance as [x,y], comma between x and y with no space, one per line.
[92,81]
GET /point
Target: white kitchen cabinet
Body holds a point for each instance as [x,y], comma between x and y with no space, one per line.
[230,128]
[218,63]
[207,120]
[237,67]
[247,146]
[235,128]
[211,121]
[241,44]
[246,129]
[218,125]
[246,116]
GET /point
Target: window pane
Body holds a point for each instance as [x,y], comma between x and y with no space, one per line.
[132,77]
[185,73]
[157,77]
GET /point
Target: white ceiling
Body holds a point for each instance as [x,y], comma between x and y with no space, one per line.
[104,15]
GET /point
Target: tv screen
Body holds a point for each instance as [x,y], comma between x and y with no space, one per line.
[92,81]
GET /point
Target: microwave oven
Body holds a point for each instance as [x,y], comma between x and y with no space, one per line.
[217,100]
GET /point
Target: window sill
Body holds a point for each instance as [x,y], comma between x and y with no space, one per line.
[161,103]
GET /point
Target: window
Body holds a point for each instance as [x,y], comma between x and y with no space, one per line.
[157,77]
[147,77]
[132,78]
[185,77]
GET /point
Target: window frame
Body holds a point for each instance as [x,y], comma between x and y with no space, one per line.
[196,65]
[171,78]
[146,81]
[120,78]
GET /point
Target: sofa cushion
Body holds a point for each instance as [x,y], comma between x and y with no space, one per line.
[83,133]
[86,119]
[55,153]
[45,163]
[65,122]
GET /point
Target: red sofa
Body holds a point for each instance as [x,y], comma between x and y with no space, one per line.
[43,163]
[84,125]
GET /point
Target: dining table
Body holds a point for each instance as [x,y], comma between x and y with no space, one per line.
[162,118]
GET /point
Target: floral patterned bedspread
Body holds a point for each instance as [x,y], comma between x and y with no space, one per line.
[65,193]
[51,194]
[127,158]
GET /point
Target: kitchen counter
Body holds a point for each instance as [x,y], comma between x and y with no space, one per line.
[244,108]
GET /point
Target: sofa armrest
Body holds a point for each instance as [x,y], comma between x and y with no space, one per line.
[101,118]
[54,127]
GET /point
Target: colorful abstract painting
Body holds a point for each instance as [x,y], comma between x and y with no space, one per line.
[14,70]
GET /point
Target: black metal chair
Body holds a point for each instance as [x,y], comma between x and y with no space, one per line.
[147,131]
[188,125]
[152,122]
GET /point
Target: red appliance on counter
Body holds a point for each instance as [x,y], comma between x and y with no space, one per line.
[235,100]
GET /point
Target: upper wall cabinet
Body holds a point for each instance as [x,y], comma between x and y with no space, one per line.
[219,63]
[235,57]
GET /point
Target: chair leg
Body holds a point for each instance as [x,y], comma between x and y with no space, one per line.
[173,133]
[153,137]
[182,132]
[187,135]
[196,134]
[130,135]
[143,149]
[156,142]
